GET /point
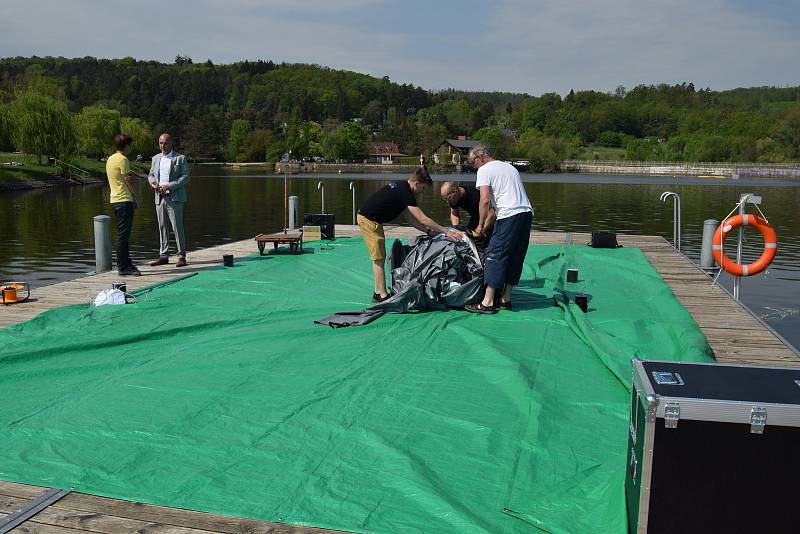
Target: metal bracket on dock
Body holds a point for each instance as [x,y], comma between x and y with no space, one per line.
[32,508]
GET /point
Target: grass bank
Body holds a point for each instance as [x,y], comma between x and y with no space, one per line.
[23,171]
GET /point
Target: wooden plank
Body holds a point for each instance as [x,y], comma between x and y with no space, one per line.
[177,517]
[10,505]
[749,344]
[756,351]
[40,522]
[745,361]
[742,359]
[31,527]
[59,516]
[20,491]
[87,513]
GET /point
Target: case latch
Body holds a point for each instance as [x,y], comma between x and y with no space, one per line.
[758,420]
[664,378]
[672,412]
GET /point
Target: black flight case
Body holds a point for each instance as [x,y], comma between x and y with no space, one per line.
[713,448]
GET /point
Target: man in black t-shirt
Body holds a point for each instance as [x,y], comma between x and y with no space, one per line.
[466,197]
[388,203]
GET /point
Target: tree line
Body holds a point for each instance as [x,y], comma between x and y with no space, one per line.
[258,111]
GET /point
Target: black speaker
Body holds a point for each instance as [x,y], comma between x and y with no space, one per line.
[326,222]
[604,240]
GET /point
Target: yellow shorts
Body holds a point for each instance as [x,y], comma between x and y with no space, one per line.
[373,237]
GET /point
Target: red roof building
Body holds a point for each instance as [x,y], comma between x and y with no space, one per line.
[383,151]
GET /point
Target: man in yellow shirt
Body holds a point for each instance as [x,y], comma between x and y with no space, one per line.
[123,202]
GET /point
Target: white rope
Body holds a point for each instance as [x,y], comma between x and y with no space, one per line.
[762,214]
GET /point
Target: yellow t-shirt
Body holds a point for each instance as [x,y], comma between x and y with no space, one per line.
[117,167]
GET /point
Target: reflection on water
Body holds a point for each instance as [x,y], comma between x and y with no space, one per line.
[47,234]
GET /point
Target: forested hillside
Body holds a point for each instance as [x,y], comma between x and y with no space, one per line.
[256,111]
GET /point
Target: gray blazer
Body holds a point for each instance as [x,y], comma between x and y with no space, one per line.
[178,176]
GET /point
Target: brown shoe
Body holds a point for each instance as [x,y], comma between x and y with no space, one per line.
[181,262]
[159,261]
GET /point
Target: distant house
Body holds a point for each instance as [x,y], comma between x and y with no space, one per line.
[383,151]
[454,150]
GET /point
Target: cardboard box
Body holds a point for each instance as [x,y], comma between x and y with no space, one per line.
[312,233]
[326,221]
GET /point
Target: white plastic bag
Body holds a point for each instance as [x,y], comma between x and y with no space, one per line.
[109,296]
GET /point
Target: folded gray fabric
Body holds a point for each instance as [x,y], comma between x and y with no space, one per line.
[350,318]
[434,273]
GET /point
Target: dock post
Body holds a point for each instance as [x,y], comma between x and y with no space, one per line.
[706,252]
[294,210]
[321,188]
[743,199]
[102,243]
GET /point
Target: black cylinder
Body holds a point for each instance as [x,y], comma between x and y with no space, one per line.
[572,275]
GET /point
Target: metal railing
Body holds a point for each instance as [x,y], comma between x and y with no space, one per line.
[138,167]
[72,170]
[676,217]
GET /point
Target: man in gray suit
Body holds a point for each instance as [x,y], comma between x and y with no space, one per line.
[169,174]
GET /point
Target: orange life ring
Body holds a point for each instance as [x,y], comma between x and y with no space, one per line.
[770,245]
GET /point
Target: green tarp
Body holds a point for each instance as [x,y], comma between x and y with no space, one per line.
[218,393]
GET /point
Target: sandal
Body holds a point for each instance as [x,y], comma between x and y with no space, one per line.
[480,308]
[376,298]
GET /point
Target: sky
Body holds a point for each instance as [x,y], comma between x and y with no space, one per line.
[523,46]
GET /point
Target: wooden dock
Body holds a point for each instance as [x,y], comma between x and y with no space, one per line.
[734,334]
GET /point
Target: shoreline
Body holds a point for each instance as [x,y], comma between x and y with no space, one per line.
[47,181]
[790,172]
[712,170]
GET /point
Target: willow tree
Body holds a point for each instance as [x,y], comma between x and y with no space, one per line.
[240,130]
[96,127]
[7,127]
[144,142]
[42,125]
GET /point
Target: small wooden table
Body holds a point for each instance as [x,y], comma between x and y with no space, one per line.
[294,238]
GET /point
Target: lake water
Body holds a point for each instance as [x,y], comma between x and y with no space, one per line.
[48,233]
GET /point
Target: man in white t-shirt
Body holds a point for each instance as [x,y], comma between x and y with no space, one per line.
[501,188]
